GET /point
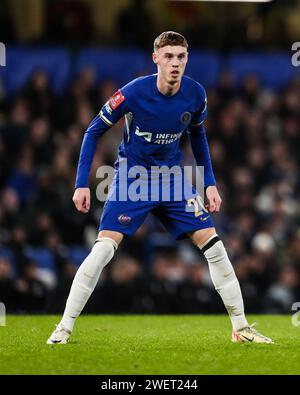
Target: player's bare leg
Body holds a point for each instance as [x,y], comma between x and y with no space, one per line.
[226,284]
[85,282]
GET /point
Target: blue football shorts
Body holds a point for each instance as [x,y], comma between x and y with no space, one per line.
[179,216]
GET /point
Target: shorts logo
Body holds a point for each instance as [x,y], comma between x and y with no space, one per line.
[186,118]
[116,100]
[124,219]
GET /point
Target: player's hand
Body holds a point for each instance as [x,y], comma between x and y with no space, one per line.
[82,199]
[214,199]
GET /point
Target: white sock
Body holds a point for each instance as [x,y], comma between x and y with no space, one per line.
[225,280]
[86,279]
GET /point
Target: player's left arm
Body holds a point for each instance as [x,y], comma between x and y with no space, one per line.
[200,148]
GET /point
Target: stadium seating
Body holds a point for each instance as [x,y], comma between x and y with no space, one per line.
[42,257]
[122,65]
[77,254]
[274,69]
[119,65]
[21,63]
[7,253]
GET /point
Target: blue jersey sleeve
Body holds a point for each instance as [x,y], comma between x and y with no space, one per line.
[198,139]
[114,108]
[201,113]
[201,153]
[109,114]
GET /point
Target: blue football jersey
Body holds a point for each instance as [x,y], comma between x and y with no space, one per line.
[154,124]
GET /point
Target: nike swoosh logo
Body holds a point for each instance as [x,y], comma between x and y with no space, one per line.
[247,338]
[226,275]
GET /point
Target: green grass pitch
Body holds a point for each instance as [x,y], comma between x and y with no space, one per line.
[120,344]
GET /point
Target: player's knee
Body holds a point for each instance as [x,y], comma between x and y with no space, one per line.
[104,248]
[116,236]
[100,255]
[213,247]
[107,241]
[200,237]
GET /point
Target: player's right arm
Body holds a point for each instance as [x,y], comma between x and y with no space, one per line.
[110,113]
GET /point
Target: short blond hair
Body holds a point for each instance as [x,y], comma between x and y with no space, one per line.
[170,38]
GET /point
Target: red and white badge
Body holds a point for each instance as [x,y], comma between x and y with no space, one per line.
[116,100]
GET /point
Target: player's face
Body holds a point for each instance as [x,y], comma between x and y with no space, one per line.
[171,62]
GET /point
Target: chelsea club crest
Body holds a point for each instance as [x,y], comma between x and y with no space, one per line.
[186,117]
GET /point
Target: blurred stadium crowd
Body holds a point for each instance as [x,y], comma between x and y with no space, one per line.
[254,141]
[253,135]
[134,23]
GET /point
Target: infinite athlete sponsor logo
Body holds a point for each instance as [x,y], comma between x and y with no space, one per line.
[166,138]
[124,219]
[158,137]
